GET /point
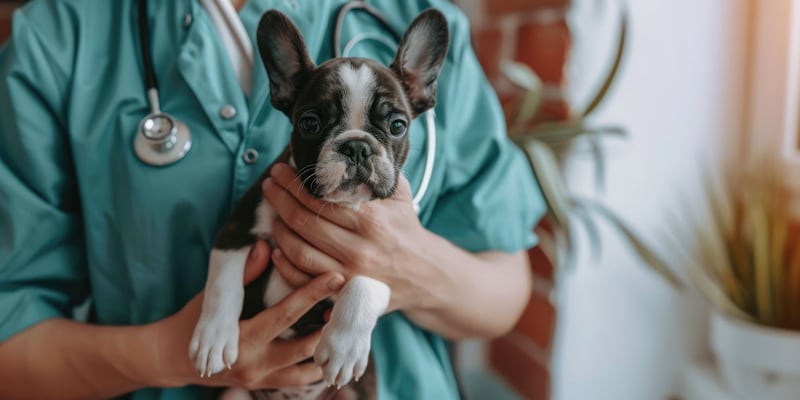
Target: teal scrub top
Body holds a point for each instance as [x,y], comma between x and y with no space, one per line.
[81,218]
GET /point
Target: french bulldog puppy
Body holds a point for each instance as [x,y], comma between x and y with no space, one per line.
[350,120]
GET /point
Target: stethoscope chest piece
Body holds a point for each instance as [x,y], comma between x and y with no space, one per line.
[162,140]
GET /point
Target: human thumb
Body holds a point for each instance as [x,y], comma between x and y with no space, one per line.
[403,191]
[257,261]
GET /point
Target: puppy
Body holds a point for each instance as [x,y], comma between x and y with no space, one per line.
[350,120]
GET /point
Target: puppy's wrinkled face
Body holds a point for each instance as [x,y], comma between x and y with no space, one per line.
[351,115]
[350,131]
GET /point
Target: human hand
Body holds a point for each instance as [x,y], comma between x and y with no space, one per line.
[264,360]
[379,240]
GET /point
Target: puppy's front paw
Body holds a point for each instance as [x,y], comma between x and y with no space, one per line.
[214,345]
[343,353]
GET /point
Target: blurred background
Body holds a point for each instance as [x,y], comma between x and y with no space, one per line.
[664,135]
[654,128]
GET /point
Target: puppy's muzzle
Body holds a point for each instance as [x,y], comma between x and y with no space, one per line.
[358,154]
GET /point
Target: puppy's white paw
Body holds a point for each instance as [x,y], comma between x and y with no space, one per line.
[214,345]
[343,353]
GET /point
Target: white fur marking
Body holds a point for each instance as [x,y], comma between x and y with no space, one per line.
[331,168]
[359,85]
[265,218]
[343,350]
[215,341]
[312,391]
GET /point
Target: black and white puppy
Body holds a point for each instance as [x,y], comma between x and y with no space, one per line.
[349,142]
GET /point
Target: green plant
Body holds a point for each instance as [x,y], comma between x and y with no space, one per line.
[744,256]
[546,144]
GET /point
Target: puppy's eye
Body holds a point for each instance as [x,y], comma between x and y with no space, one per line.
[309,125]
[397,127]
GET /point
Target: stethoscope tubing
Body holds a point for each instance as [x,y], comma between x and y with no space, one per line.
[151,87]
[363,6]
[147,60]
[152,145]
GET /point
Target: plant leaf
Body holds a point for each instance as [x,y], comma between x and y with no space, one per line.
[554,132]
[547,173]
[599,160]
[763,280]
[698,276]
[523,76]
[714,294]
[793,290]
[612,74]
[642,250]
[591,228]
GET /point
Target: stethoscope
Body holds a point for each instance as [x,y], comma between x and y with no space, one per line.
[163,139]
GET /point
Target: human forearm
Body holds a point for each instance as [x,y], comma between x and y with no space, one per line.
[466,295]
[62,359]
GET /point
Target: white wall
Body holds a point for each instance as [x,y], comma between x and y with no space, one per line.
[622,332]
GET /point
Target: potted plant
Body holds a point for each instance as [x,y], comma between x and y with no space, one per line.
[744,258]
[546,145]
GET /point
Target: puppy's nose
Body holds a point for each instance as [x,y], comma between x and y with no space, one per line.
[358,151]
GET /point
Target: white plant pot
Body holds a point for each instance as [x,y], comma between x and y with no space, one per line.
[755,361]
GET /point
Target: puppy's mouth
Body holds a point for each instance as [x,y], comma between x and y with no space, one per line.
[352,168]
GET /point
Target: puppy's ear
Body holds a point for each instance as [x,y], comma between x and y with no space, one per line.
[285,57]
[419,58]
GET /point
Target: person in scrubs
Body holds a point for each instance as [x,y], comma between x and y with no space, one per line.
[103,258]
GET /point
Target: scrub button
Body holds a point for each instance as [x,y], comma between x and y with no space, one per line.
[187,20]
[250,156]
[227,111]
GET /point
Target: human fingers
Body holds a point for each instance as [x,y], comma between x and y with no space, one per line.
[274,367]
[269,323]
[256,261]
[293,376]
[294,276]
[319,232]
[286,177]
[403,191]
[294,351]
[300,253]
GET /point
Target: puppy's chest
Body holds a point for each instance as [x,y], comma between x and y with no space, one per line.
[362,390]
[271,288]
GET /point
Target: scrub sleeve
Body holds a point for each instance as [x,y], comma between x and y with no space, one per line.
[489,199]
[42,258]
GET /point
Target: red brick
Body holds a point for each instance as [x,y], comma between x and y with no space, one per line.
[540,264]
[549,110]
[505,7]
[5,19]
[554,110]
[537,322]
[527,376]
[545,48]
[5,31]
[488,44]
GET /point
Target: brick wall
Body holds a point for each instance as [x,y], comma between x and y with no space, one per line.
[534,32]
[6,8]
[531,31]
